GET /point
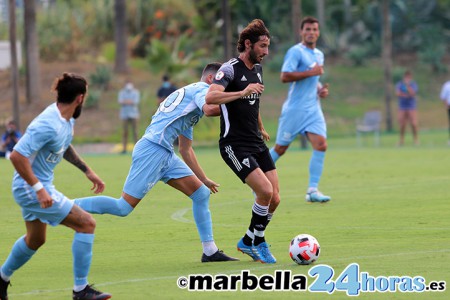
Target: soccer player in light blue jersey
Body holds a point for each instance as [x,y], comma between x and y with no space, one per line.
[45,143]
[301,112]
[154,160]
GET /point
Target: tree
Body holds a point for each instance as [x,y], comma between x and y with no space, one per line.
[320,6]
[226,30]
[33,84]
[120,36]
[14,68]
[387,61]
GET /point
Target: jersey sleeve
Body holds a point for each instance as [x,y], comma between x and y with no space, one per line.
[36,136]
[292,60]
[189,133]
[199,97]
[445,92]
[224,75]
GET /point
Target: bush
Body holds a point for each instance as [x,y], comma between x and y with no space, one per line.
[101,77]
[93,98]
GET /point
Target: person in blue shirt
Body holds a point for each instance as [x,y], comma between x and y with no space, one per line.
[406,90]
[46,141]
[9,139]
[301,112]
[129,98]
[154,160]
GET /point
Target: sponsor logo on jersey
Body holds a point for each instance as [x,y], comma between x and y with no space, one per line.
[219,75]
[243,78]
[251,102]
[246,162]
[252,96]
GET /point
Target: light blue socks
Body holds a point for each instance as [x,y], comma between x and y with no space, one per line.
[20,254]
[202,215]
[316,168]
[105,205]
[82,256]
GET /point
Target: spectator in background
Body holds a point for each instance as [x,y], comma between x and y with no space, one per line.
[406,90]
[165,89]
[129,112]
[9,139]
[445,96]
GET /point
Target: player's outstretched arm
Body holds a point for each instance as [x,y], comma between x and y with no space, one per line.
[72,156]
[189,157]
[211,110]
[216,95]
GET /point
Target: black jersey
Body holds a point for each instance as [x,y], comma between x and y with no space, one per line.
[239,118]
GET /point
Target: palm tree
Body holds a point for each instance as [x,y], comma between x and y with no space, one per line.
[33,86]
[120,36]
[387,61]
[226,30]
[14,68]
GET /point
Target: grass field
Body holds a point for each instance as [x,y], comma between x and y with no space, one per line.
[389,214]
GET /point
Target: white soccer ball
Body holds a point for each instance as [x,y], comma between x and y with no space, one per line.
[304,249]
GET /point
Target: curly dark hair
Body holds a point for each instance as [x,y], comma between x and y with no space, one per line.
[68,87]
[252,32]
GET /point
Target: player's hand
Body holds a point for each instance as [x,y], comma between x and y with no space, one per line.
[211,185]
[253,88]
[265,135]
[44,198]
[99,185]
[317,70]
[323,92]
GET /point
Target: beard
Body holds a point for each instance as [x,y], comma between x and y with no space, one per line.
[77,111]
[252,56]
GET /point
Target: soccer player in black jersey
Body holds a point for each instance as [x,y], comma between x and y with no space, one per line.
[237,87]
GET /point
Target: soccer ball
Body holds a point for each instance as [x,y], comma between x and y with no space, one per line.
[304,249]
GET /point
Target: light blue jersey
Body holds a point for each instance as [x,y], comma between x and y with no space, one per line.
[46,139]
[153,156]
[177,114]
[302,94]
[301,112]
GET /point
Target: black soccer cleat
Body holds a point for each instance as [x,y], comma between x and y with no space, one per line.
[89,293]
[218,256]
[4,289]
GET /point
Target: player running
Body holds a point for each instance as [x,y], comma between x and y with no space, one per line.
[46,141]
[237,87]
[301,112]
[154,160]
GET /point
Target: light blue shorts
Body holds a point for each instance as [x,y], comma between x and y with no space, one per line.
[152,163]
[291,124]
[26,197]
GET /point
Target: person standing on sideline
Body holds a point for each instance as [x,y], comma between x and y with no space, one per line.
[129,98]
[237,87]
[406,90]
[45,143]
[154,160]
[445,97]
[301,112]
[9,139]
[165,89]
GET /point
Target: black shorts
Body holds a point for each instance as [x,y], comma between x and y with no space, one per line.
[243,162]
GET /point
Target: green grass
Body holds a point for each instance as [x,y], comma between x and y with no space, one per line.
[389,214]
